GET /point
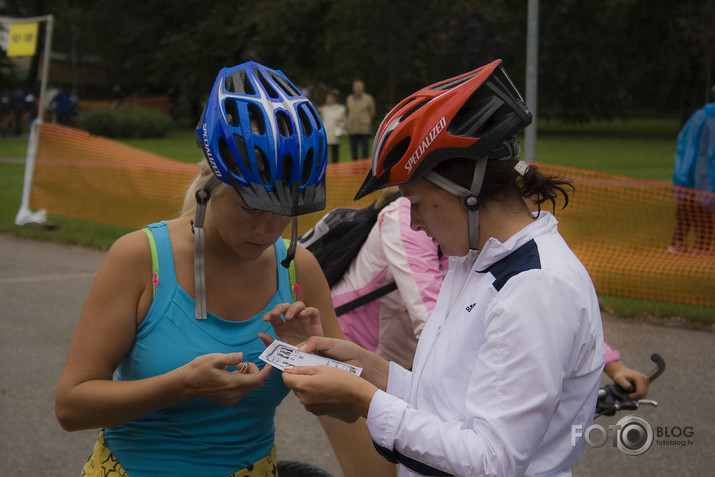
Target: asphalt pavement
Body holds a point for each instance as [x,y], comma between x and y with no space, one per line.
[43,286]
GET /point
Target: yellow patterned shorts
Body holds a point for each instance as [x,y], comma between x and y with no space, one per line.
[102,463]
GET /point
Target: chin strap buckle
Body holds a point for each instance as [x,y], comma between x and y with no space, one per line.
[472,202]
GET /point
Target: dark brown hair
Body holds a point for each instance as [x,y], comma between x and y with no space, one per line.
[501,181]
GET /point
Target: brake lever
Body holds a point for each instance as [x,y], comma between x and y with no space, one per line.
[659,367]
[649,402]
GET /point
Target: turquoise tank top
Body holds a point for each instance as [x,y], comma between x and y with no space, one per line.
[196,437]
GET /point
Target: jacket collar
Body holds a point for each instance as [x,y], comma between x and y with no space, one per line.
[494,250]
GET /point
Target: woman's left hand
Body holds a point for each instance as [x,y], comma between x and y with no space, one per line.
[294,322]
[632,381]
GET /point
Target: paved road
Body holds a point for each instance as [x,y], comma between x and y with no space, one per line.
[43,285]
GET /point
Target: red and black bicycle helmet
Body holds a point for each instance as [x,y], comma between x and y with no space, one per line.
[473,116]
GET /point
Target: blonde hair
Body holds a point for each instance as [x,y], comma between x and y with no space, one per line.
[205,179]
[386,195]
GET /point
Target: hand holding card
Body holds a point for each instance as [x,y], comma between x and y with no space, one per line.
[281,355]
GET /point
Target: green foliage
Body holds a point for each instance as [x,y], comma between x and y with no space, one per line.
[125,121]
[179,145]
[597,59]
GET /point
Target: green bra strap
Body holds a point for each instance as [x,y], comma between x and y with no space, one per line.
[291,275]
[154,259]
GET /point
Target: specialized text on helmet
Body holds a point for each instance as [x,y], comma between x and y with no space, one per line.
[417,155]
[209,156]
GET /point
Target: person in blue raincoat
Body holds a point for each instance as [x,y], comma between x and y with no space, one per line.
[695,169]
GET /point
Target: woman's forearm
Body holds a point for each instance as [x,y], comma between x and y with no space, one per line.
[102,403]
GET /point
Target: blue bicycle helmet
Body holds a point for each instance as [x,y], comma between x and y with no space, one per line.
[264,138]
[261,136]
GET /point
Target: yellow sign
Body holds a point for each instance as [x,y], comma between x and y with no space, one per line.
[22,39]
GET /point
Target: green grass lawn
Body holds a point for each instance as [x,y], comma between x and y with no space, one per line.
[640,148]
[643,148]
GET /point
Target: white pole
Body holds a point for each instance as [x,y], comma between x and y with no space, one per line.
[532,78]
[25,214]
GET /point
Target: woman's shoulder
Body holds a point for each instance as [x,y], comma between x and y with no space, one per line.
[134,246]
[306,261]
[129,245]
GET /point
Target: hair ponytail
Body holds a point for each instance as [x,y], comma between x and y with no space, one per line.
[540,188]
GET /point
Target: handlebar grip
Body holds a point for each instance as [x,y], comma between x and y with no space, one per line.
[658,370]
[627,406]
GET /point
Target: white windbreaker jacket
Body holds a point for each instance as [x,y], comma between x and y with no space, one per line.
[510,359]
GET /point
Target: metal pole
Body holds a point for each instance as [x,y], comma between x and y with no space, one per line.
[532,78]
[45,66]
[25,214]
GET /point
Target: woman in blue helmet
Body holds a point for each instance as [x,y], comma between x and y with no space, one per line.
[164,359]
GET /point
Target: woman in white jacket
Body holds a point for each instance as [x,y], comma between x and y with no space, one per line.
[512,355]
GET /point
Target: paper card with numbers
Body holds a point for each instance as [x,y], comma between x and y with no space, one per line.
[281,355]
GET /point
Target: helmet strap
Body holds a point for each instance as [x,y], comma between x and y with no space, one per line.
[471,196]
[197,228]
[290,255]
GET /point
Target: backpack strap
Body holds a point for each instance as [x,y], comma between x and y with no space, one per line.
[366,298]
[154,259]
[294,290]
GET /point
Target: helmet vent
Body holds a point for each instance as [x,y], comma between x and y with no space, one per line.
[307,166]
[231,110]
[321,151]
[227,157]
[314,113]
[284,124]
[258,122]
[478,115]
[242,151]
[238,82]
[270,91]
[455,82]
[264,169]
[413,109]
[304,121]
[287,88]
[395,154]
[287,168]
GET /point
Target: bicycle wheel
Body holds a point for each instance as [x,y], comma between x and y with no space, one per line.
[288,468]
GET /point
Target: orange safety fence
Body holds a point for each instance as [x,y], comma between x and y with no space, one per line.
[88,177]
[619,227]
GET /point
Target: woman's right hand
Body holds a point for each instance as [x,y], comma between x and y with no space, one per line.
[325,390]
[207,377]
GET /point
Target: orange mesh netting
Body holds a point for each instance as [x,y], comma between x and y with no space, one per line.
[96,179]
[92,178]
[619,227]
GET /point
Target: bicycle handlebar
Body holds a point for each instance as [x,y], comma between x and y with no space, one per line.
[659,367]
[613,398]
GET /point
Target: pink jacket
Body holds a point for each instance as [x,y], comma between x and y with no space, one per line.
[391,325]
[611,355]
